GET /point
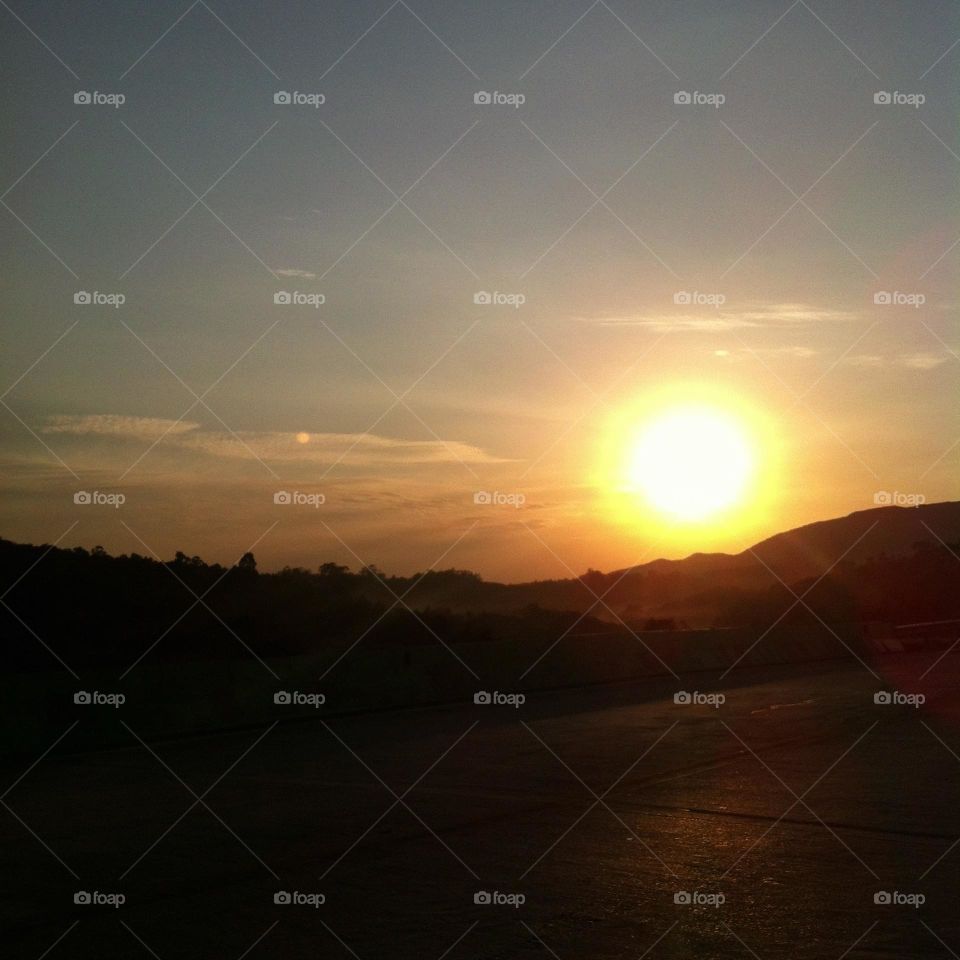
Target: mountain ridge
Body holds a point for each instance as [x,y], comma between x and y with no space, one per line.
[907,521]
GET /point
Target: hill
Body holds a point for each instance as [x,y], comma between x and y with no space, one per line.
[691,587]
[888,564]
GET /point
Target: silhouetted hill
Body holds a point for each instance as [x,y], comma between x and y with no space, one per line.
[87,607]
[810,550]
[690,587]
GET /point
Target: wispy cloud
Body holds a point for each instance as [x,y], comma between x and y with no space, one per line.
[713,319]
[924,361]
[867,361]
[796,351]
[294,272]
[673,323]
[354,449]
[785,314]
[272,446]
[801,353]
[912,361]
[116,425]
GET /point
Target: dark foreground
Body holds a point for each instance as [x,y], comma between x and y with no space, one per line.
[795,803]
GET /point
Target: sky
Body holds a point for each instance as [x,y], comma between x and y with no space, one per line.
[783,244]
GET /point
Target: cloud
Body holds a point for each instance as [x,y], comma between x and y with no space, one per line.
[719,319]
[785,314]
[796,351]
[913,361]
[924,361]
[114,425]
[801,353]
[294,272]
[670,324]
[352,449]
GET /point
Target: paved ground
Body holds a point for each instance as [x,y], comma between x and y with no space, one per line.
[797,800]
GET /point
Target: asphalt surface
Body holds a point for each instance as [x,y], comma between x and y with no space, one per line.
[584,813]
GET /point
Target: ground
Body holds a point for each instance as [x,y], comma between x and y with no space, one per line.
[794,802]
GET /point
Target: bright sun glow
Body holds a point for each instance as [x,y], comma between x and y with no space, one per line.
[691,462]
[688,465]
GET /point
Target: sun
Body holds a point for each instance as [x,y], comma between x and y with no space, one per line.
[691,462]
[689,465]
